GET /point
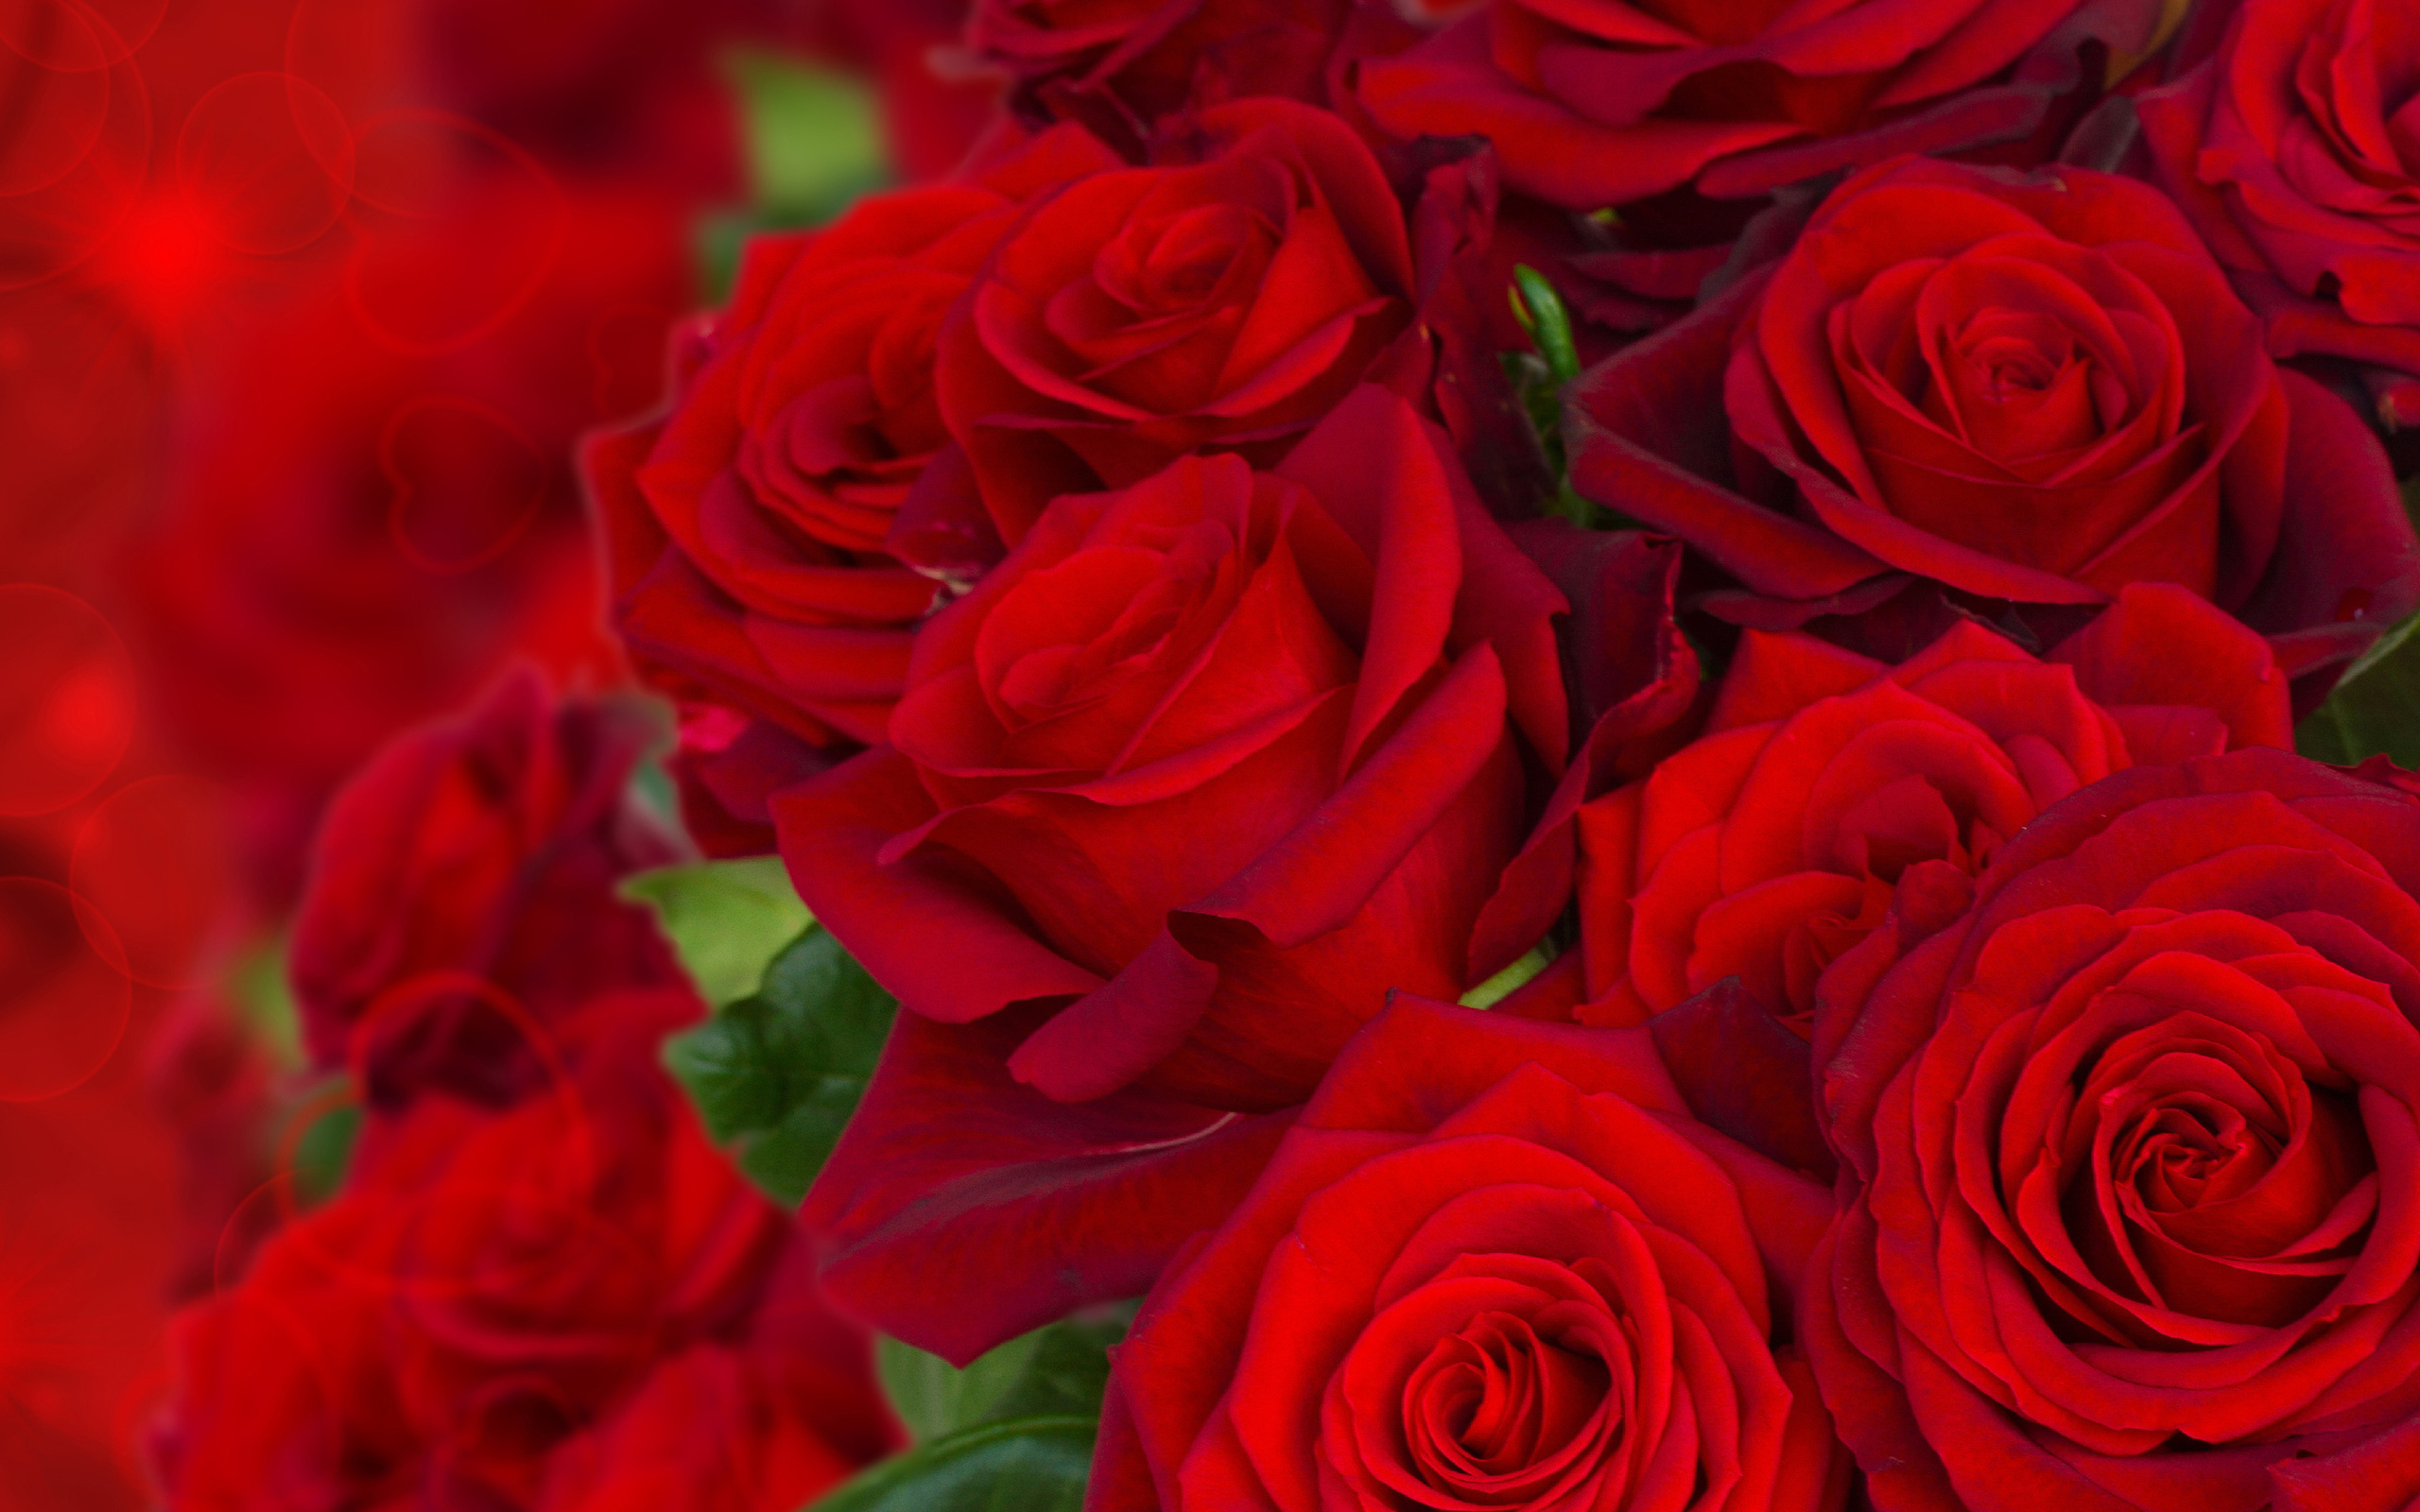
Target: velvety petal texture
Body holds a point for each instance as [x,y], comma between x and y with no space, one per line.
[2031,390]
[1224,297]
[2295,148]
[1519,1275]
[2128,1157]
[1188,783]
[1773,843]
[751,529]
[1601,102]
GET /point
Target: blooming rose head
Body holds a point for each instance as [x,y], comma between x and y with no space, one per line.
[1223,299]
[1773,843]
[1596,105]
[2128,1158]
[1495,1264]
[1213,761]
[1130,62]
[752,527]
[2296,151]
[470,870]
[2034,389]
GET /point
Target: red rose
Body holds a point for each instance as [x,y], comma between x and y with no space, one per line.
[486,848]
[1496,1265]
[2028,390]
[2128,1153]
[1130,62]
[1596,105]
[757,1424]
[487,1289]
[1224,299]
[1187,784]
[1215,760]
[2294,152]
[1773,843]
[752,529]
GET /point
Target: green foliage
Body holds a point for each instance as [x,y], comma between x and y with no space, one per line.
[814,144]
[1538,378]
[1025,1465]
[778,1074]
[2376,708]
[1056,1371]
[1502,985]
[725,919]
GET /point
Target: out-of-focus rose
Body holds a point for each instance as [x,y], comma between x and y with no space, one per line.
[752,528]
[492,1287]
[2295,150]
[1130,63]
[1495,1264]
[462,893]
[1596,105]
[2030,389]
[1224,299]
[2128,1151]
[1771,844]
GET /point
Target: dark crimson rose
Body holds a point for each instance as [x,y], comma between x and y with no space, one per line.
[1223,299]
[1495,1264]
[1134,62]
[1187,783]
[490,1289]
[1599,104]
[2035,390]
[463,892]
[751,528]
[2128,1154]
[2295,150]
[1773,842]
[1214,761]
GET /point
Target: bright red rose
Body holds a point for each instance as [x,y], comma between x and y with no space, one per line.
[1496,1265]
[1187,783]
[1130,63]
[2128,1151]
[1596,105]
[2029,390]
[486,848]
[753,529]
[490,1289]
[1771,844]
[2296,150]
[1224,299]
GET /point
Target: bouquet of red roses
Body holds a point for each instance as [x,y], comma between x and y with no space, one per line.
[1546,754]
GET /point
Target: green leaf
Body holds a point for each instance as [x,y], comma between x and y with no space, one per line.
[1059,1370]
[1501,986]
[2376,708]
[1540,310]
[778,1074]
[814,135]
[1025,1465]
[726,920]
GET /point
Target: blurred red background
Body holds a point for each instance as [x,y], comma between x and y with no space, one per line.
[302,305]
